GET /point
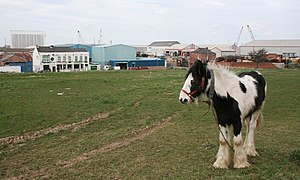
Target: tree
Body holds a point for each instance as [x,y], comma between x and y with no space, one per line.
[258,56]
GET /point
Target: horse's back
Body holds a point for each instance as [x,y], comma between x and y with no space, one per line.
[260,85]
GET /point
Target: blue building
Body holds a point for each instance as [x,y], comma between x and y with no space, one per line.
[138,63]
[25,66]
[88,48]
[104,53]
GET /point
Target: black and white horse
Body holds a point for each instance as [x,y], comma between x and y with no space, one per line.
[236,99]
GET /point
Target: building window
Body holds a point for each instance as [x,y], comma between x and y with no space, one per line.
[76,58]
[69,59]
[64,58]
[85,58]
[58,58]
[76,66]
[46,58]
[81,58]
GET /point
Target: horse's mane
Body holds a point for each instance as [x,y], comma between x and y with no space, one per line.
[222,70]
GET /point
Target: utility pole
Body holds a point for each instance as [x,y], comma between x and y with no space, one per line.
[100,37]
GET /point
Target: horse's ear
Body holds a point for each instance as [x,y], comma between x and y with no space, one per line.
[199,67]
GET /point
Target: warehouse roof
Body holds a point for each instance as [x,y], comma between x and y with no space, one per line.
[59,49]
[283,42]
[225,49]
[164,43]
[112,45]
[211,46]
[183,46]
[15,50]
[15,58]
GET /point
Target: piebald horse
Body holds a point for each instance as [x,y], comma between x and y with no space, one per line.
[236,100]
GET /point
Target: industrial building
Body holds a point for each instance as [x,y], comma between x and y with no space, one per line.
[145,63]
[104,53]
[26,38]
[22,60]
[287,48]
[57,59]
[15,58]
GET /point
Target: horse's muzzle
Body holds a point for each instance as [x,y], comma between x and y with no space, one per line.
[184,100]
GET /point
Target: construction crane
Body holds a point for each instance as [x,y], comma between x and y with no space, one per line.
[80,38]
[250,32]
[238,39]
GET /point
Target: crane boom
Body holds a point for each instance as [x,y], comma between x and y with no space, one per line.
[250,32]
[238,39]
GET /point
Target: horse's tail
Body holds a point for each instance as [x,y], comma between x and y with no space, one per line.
[260,118]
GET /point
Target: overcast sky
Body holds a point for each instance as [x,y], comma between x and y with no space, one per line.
[140,22]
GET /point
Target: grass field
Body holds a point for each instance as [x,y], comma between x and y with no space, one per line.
[130,125]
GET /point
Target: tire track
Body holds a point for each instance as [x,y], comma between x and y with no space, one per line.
[123,141]
[55,129]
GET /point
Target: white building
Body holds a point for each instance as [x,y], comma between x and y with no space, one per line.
[223,51]
[58,59]
[24,38]
[181,50]
[288,46]
[158,48]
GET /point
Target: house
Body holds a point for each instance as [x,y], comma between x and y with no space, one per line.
[56,59]
[158,48]
[87,47]
[104,53]
[203,54]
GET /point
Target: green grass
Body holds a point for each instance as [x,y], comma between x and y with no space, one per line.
[184,148]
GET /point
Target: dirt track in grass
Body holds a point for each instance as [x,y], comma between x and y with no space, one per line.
[123,141]
[55,129]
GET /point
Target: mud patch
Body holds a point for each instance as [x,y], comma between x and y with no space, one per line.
[55,129]
[123,141]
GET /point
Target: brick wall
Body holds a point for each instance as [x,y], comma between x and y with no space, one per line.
[248,64]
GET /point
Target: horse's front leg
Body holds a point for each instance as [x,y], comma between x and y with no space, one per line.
[223,155]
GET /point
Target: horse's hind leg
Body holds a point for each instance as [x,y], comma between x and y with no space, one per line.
[249,145]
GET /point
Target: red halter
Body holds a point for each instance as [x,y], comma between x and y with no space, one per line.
[193,92]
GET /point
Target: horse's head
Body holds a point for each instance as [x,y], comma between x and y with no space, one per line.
[195,83]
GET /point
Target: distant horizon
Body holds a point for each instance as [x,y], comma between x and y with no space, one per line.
[152,42]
